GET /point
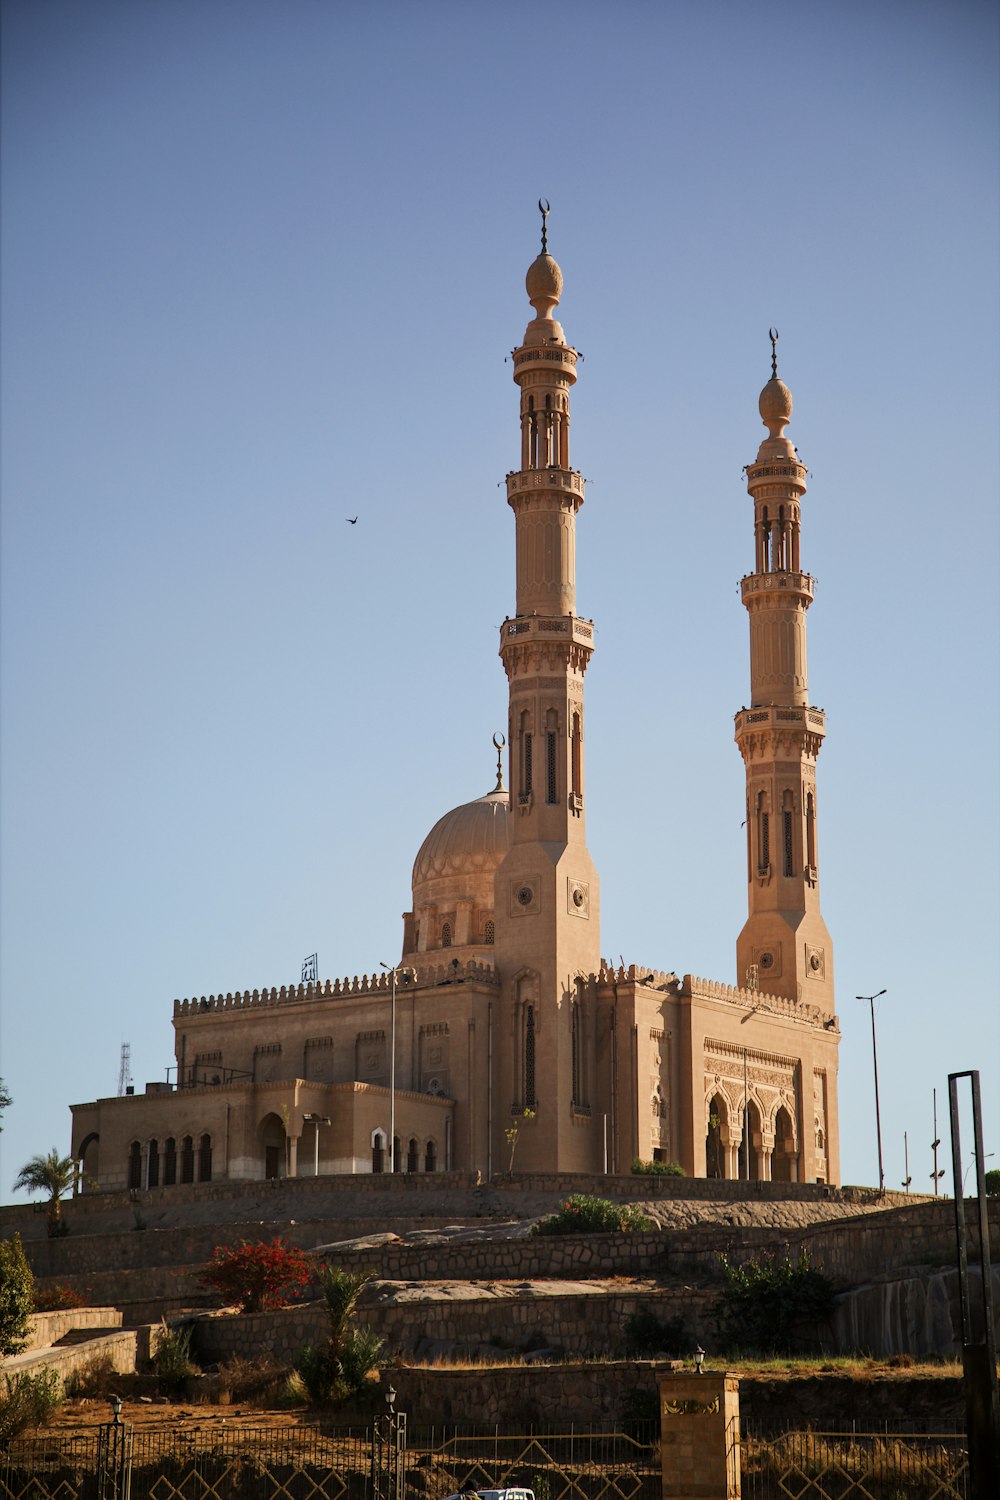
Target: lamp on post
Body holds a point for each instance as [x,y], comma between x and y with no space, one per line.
[316,1121]
[878,1117]
[392,971]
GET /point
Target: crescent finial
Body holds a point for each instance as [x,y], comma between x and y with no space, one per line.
[544,210]
[773,335]
[498,744]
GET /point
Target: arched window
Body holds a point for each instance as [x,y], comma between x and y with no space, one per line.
[187,1159]
[810,831]
[575,1052]
[153,1164]
[489,933]
[378,1152]
[524,735]
[397,1155]
[528,1095]
[577,757]
[763,835]
[135,1165]
[446,935]
[205,1159]
[551,782]
[413,1155]
[787,833]
[169,1162]
[430,1157]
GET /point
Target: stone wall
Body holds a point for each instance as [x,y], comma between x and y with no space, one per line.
[575,1323]
[442,1194]
[125,1349]
[48,1328]
[555,1396]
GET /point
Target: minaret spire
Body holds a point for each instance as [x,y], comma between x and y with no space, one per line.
[546,892]
[544,210]
[784,945]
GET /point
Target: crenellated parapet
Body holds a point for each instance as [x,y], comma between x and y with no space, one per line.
[656,979]
[753,1000]
[360,987]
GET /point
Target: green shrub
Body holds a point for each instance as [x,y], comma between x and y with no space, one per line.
[993,1183]
[773,1307]
[584,1214]
[27,1401]
[16,1296]
[172,1362]
[642,1168]
[646,1335]
[342,1366]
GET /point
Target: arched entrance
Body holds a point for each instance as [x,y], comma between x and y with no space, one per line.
[784,1164]
[90,1162]
[273,1145]
[717,1137]
[753,1138]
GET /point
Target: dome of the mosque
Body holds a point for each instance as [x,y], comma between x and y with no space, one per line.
[469,840]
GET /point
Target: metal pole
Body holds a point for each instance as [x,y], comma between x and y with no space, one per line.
[392,1071]
[316,1137]
[878,1114]
[746,1123]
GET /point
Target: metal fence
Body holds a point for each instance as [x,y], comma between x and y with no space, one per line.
[318,1462]
[855,1466]
[571,1464]
[249,1463]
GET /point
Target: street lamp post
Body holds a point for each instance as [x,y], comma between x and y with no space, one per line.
[316,1121]
[391,971]
[878,1117]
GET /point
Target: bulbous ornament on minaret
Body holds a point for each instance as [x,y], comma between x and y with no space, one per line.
[775,406]
[544,284]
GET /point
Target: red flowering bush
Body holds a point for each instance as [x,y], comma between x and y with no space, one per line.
[257,1276]
[56,1298]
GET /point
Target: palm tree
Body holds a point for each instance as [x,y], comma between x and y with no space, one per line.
[52,1174]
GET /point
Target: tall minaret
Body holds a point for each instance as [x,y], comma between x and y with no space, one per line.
[546,893]
[784,947]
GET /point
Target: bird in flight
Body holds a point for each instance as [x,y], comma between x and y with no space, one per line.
[351,520]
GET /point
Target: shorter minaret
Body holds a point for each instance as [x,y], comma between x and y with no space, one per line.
[784,948]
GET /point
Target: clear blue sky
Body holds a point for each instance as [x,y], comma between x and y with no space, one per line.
[261,265]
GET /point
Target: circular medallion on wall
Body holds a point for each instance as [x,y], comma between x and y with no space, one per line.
[766,961]
[525,895]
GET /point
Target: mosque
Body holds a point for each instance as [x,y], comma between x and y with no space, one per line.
[502,1040]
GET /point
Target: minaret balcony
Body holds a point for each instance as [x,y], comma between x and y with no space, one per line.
[782,720]
[547,628]
[531,481]
[550,354]
[752,585]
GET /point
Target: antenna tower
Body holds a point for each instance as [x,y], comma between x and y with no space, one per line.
[125,1069]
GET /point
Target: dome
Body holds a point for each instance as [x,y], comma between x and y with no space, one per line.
[469,840]
[775,405]
[544,281]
